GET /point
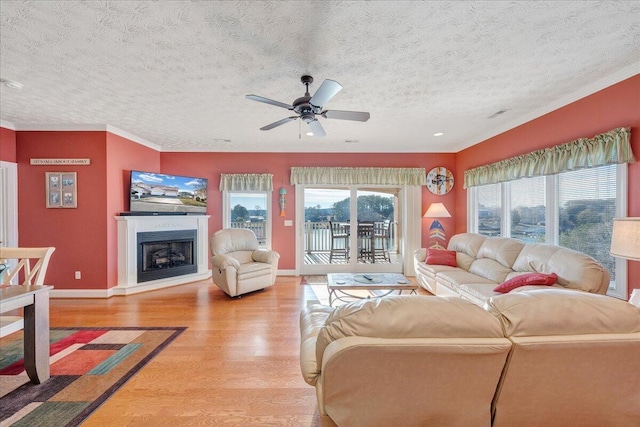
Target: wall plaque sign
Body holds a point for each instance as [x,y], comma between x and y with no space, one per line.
[53,162]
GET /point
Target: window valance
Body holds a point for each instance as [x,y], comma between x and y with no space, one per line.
[358,176]
[246,182]
[607,148]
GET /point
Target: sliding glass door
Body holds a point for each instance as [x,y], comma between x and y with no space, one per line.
[350,229]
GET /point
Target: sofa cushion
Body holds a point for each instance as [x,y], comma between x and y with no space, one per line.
[253,269]
[562,312]
[490,269]
[456,277]
[524,280]
[575,270]
[477,293]
[441,257]
[503,250]
[407,316]
[468,243]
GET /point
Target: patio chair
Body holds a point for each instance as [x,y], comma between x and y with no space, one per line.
[382,238]
[339,241]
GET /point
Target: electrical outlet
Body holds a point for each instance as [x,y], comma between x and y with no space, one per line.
[78,275]
[288,223]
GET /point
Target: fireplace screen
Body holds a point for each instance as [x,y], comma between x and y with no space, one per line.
[166,254]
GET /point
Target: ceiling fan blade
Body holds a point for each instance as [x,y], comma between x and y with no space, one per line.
[317,129]
[325,92]
[278,123]
[358,116]
[269,101]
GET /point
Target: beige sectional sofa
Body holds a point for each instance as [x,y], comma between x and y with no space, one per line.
[540,358]
[484,262]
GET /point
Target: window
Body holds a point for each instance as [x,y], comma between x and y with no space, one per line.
[574,209]
[251,210]
[528,209]
[587,206]
[489,210]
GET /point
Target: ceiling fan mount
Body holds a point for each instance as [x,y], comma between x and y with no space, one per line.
[307,107]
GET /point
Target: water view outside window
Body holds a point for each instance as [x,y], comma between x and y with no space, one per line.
[528,209]
[585,204]
[489,210]
[249,210]
[587,207]
[323,206]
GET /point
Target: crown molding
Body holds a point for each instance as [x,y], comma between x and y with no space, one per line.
[132,137]
[82,128]
[7,125]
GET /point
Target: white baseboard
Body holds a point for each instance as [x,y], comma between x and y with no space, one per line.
[287,273]
[81,293]
[108,293]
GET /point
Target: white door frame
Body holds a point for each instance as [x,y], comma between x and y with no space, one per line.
[8,204]
[409,227]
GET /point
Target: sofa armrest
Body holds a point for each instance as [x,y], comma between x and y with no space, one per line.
[265,255]
[312,319]
[222,261]
[420,255]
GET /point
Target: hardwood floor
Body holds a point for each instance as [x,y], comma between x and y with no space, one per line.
[237,364]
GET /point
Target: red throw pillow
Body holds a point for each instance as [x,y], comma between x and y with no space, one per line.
[526,279]
[441,257]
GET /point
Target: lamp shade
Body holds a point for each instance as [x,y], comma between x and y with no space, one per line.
[625,240]
[437,210]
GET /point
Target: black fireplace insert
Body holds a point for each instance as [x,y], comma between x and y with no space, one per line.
[164,254]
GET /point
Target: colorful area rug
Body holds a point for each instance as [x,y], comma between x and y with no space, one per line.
[87,366]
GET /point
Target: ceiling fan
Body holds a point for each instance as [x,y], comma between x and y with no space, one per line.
[308,107]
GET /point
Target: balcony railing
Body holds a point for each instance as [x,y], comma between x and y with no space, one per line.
[259,228]
[317,236]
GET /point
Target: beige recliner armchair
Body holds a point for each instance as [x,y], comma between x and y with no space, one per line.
[239,266]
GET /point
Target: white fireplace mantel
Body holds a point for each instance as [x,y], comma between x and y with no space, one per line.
[128,229]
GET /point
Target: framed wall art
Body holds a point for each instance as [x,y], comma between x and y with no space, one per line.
[62,189]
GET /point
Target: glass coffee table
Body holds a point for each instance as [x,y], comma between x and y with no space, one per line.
[342,286]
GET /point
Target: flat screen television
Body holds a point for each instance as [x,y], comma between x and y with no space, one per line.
[161,193]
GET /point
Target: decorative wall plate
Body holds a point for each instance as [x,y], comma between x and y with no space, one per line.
[439,180]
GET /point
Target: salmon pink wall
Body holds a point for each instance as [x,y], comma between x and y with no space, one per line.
[7,145]
[610,108]
[79,235]
[123,156]
[211,165]
[85,238]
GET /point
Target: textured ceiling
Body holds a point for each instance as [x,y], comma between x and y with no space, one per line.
[175,73]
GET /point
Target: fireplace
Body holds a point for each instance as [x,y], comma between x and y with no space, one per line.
[174,249]
[163,254]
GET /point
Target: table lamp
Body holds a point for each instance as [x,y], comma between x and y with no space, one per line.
[436,231]
[625,243]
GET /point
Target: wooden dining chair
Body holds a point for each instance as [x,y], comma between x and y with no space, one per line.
[22,267]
